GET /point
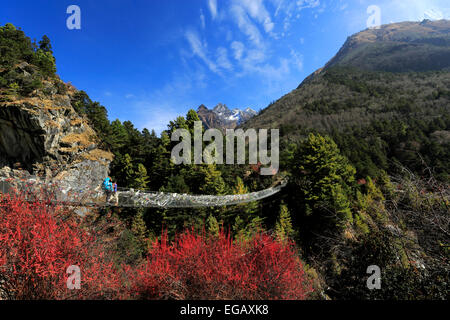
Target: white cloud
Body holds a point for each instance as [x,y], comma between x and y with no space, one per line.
[155,109]
[268,71]
[251,50]
[297,59]
[287,11]
[414,10]
[212,5]
[305,4]
[229,36]
[433,14]
[202,19]
[277,4]
[158,118]
[199,49]
[129,96]
[268,25]
[255,56]
[287,23]
[238,49]
[257,10]
[245,24]
[222,59]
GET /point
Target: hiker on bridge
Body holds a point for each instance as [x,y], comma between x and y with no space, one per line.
[108,188]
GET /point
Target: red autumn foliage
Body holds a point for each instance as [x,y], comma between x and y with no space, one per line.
[207,267]
[38,242]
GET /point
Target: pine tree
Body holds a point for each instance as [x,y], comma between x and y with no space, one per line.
[255,226]
[247,209]
[238,227]
[325,180]
[319,166]
[341,205]
[125,175]
[119,137]
[191,118]
[139,230]
[246,230]
[212,226]
[45,45]
[162,167]
[283,227]
[212,181]
[140,177]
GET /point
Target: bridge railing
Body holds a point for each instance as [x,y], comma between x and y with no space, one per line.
[35,189]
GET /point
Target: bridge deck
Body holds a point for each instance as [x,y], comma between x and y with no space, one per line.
[60,192]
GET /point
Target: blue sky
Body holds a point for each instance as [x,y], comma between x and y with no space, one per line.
[149,61]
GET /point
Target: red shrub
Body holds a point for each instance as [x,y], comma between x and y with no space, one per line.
[38,241]
[204,267]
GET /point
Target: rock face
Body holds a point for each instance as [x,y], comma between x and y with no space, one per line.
[22,138]
[43,135]
[221,117]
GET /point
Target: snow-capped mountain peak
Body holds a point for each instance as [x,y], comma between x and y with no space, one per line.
[222,116]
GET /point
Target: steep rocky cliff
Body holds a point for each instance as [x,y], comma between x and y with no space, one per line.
[41,134]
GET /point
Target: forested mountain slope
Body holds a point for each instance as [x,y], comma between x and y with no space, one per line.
[345,206]
[384,97]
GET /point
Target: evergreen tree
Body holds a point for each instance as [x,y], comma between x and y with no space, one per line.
[319,166]
[212,226]
[211,180]
[244,212]
[135,145]
[140,177]
[162,167]
[245,209]
[238,227]
[119,137]
[44,58]
[191,118]
[323,182]
[125,175]
[139,230]
[283,227]
[45,45]
[341,206]
[248,230]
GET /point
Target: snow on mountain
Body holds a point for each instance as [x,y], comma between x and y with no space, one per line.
[222,117]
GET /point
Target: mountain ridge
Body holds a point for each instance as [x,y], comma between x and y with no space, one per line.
[352,53]
[221,117]
[396,35]
[360,96]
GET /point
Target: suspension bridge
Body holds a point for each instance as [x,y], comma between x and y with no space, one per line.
[61,192]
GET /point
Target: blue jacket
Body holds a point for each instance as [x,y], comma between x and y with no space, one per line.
[107,185]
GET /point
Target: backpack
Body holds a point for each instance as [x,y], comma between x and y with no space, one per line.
[106,185]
